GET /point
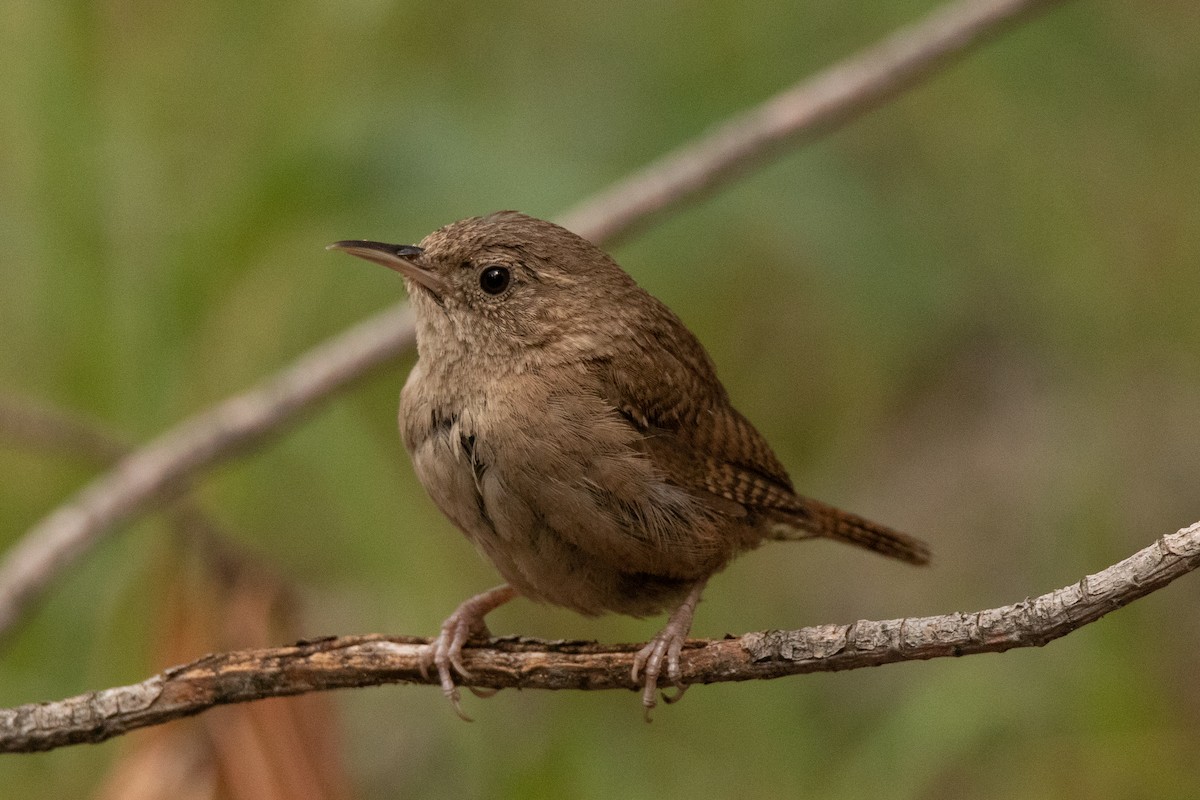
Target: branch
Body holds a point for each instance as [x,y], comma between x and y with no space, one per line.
[167,463]
[357,661]
[164,467]
[798,114]
[57,431]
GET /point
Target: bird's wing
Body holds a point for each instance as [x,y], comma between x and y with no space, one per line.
[667,389]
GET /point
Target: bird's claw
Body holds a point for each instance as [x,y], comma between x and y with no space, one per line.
[445,652]
[648,662]
[666,646]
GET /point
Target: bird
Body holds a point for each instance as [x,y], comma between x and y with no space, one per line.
[575,430]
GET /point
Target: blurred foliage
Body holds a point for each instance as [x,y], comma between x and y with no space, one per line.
[971,314]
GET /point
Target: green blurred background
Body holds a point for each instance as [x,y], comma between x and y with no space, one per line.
[971,314]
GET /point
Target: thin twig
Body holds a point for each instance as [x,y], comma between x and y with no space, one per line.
[216,435]
[28,425]
[55,431]
[357,661]
[801,113]
[164,467]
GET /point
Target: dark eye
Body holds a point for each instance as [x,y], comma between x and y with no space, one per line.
[494,280]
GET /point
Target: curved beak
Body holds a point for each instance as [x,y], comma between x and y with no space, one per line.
[402,258]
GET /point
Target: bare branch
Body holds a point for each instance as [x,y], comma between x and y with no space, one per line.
[164,467]
[356,661]
[798,114]
[216,435]
[56,431]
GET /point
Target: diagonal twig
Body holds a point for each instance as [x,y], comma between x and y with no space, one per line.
[801,113]
[356,661]
[217,434]
[46,429]
[29,425]
[164,467]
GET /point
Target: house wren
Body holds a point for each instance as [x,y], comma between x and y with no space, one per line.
[575,430]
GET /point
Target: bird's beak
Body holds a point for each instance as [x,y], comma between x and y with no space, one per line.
[403,258]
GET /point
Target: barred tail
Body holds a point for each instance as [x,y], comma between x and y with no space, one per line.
[813,518]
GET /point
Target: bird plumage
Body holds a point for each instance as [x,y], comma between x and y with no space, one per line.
[576,431]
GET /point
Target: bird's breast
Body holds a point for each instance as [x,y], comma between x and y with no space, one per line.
[552,487]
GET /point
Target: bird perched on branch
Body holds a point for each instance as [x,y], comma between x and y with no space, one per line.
[575,430]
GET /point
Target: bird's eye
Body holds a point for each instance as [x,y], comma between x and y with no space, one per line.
[494,280]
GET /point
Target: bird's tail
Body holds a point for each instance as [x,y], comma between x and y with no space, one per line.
[813,518]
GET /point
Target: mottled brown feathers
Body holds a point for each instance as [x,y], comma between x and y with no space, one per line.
[603,448]
[576,431]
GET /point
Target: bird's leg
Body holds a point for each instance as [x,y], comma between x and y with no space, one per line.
[667,643]
[445,652]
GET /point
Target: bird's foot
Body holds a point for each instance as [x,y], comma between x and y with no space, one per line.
[665,648]
[445,652]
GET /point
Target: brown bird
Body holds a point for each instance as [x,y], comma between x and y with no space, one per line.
[575,430]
